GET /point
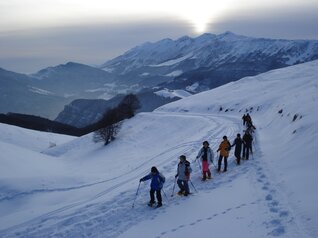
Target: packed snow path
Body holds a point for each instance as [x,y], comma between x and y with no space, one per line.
[245,197]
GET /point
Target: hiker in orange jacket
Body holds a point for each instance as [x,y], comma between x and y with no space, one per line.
[224,149]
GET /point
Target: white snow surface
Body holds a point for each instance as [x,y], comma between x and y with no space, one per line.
[40,91]
[169,93]
[173,61]
[83,189]
[175,73]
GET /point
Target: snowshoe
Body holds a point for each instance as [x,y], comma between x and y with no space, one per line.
[150,204]
[180,193]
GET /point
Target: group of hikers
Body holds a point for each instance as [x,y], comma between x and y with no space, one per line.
[206,157]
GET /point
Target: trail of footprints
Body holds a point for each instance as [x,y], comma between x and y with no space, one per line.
[279,216]
[193,223]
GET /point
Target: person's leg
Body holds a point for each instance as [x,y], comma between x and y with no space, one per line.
[219,163]
[152,197]
[247,152]
[180,185]
[209,173]
[186,187]
[238,157]
[225,163]
[159,198]
[244,150]
[205,168]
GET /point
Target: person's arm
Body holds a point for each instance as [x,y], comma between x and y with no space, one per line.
[199,154]
[147,177]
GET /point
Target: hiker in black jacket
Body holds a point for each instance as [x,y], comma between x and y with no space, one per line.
[238,148]
[247,145]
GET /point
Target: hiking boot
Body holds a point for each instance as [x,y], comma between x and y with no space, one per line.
[224,170]
[151,203]
[186,194]
[203,179]
[159,205]
[180,192]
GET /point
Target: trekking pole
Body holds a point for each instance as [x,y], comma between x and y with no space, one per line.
[174,185]
[165,193]
[193,186]
[199,165]
[133,205]
[214,165]
[254,149]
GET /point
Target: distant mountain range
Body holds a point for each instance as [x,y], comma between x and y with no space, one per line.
[205,62]
[191,64]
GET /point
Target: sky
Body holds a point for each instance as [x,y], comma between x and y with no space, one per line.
[35,34]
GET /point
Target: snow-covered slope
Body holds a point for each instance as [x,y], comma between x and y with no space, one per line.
[273,194]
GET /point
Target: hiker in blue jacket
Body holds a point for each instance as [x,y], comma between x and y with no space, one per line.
[157,181]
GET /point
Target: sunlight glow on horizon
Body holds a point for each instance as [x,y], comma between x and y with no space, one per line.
[45,13]
[28,14]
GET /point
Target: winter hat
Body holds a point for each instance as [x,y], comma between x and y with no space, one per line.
[205,142]
[238,135]
[224,137]
[182,157]
[154,169]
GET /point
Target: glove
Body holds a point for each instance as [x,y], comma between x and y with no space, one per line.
[197,157]
[140,180]
[176,176]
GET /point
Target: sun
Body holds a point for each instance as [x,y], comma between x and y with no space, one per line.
[204,12]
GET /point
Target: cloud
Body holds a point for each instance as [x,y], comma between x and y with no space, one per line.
[89,44]
[295,22]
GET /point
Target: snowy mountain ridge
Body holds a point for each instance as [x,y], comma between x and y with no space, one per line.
[211,50]
[89,189]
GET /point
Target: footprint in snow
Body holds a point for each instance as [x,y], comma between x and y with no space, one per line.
[269,197]
[265,188]
[278,231]
[283,213]
[274,210]
[274,203]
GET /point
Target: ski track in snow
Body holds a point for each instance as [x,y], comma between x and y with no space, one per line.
[92,218]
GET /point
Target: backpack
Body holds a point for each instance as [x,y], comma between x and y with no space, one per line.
[229,146]
[162,178]
[187,166]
